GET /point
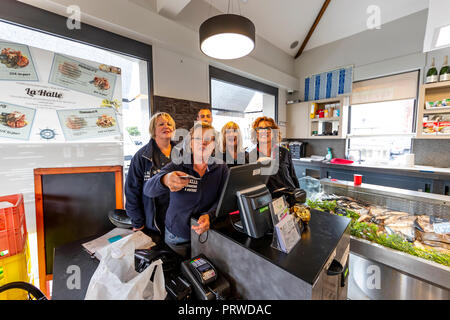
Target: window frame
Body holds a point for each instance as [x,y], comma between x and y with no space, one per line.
[234,79]
[37,19]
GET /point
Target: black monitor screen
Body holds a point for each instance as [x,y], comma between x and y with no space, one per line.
[239,178]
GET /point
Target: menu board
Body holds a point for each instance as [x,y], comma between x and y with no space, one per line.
[47,96]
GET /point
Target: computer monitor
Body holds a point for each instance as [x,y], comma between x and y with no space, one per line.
[245,190]
[239,178]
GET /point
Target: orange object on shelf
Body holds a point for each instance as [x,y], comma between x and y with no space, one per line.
[13,228]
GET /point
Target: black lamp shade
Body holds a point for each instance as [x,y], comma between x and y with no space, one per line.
[227,36]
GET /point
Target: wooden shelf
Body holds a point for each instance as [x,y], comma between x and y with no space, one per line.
[433,136]
[325,137]
[436,85]
[330,100]
[432,92]
[325,119]
[437,110]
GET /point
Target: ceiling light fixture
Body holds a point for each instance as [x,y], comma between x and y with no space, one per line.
[227,36]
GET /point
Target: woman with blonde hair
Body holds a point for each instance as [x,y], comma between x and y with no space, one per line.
[231,148]
[267,136]
[149,212]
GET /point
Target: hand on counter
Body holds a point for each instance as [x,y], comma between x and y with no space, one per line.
[138,229]
[203,224]
[174,182]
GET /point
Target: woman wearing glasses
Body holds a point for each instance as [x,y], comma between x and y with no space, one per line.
[195,189]
[267,136]
[231,148]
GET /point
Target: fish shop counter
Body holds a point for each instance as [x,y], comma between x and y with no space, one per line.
[409,255]
[257,271]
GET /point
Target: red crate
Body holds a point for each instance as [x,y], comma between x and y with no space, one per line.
[13,227]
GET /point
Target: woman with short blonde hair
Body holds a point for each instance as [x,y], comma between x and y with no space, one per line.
[147,212]
[155,117]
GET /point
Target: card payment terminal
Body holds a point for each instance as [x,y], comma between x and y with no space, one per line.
[207,283]
[203,270]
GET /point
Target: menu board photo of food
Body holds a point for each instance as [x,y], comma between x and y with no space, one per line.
[79,76]
[88,123]
[16,63]
[15,121]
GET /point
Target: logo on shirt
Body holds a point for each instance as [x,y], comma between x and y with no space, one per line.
[192,186]
[147,175]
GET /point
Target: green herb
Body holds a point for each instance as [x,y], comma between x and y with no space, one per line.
[371,232]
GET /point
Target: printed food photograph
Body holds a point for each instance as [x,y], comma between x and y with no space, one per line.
[70,70]
[111,69]
[106,121]
[75,123]
[14,119]
[101,83]
[13,59]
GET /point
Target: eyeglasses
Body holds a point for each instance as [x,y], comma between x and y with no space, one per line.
[207,140]
[263,129]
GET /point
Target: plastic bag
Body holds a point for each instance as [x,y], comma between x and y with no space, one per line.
[117,279]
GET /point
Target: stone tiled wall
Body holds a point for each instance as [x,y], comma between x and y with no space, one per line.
[184,112]
[432,152]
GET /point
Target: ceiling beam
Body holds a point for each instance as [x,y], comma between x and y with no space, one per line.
[313,27]
[171,8]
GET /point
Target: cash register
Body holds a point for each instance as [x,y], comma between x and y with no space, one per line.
[245,190]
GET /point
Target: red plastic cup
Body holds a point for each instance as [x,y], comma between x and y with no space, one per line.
[357,179]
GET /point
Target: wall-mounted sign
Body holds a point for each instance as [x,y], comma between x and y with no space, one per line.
[76,99]
[329,84]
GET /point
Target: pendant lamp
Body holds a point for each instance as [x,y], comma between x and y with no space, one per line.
[227,36]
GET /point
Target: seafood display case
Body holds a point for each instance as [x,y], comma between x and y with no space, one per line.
[380,272]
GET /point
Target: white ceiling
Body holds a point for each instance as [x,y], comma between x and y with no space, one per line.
[282,22]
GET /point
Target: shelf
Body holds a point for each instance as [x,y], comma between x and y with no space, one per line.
[325,119]
[330,100]
[436,110]
[433,136]
[326,137]
[436,85]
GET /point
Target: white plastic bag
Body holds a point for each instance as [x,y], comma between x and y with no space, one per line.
[117,279]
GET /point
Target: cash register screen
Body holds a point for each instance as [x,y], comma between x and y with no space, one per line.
[239,178]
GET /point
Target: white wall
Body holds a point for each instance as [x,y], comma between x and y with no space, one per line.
[179,76]
[396,47]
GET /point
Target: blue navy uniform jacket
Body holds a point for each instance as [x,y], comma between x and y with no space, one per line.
[140,208]
[196,199]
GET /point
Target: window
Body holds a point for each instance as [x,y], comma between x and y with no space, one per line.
[135,91]
[241,100]
[381,121]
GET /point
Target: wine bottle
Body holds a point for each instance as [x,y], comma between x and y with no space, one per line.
[432,74]
[444,74]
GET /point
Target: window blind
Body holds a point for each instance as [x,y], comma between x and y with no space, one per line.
[397,87]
